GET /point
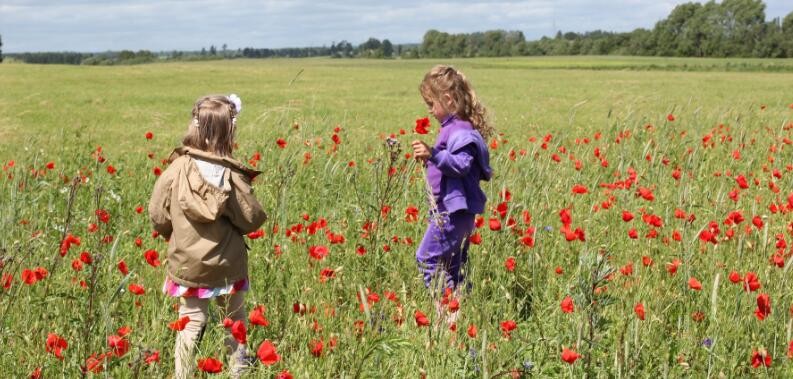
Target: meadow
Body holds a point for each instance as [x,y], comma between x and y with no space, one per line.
[637,221]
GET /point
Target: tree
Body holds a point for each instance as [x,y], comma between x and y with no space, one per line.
[388,49]
[372,48]
[1,49]
[213,50]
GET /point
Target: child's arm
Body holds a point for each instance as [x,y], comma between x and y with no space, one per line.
[243,210]
[160,205]
[456,164]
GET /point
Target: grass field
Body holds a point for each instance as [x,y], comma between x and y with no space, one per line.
[666,140]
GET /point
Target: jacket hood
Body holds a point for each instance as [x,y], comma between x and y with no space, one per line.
[209,157]
[200,201]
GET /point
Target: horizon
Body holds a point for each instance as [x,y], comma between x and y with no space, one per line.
[96,26]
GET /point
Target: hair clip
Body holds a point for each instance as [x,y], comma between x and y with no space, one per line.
[234,99]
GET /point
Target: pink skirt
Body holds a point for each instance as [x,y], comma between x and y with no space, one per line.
[174,289]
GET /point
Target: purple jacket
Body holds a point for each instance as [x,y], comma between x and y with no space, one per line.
[458,162]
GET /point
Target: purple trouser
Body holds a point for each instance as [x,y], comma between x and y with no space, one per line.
[444,249]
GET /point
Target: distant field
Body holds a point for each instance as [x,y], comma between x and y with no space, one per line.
[682,132]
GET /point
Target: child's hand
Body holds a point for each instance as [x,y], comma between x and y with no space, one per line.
[421,151]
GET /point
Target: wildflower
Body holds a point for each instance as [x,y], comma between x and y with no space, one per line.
[509,264]
[567,305]
[179,324]
[761,358]
[267,353]
[421,319]
[421,125]
[239,332]
[210,365]
[56,345]
[256,316]
[639,310]
[569,356]
[507,327]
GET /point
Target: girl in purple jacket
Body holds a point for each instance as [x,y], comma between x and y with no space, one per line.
[455,165]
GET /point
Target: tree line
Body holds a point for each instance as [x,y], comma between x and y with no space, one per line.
[732,28]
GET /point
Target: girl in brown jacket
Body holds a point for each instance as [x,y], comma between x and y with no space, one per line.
[203,203]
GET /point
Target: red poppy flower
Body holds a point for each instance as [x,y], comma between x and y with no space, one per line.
[316,347]
[267,354]
[411,214]
[179,324]
[149,135]
[569,356]
[94,363]
[735,277]
[136,289]
[256,234]
[671,267]
[152,257]
[239,332]
[56,345]
[281,143]
[579,189]
[28,276]
[86,258]
[77,265]
[694,284]
[256,316]
[564,217]
[750,282]
[645,193]
[421,125]
[507,327]
[475,238]
[210,365]
[495,224]
[757,222]
[471,331]
[118,345]
[318,252]
[627,216]
[122,267]
[567,305]
[67,243]
[741,180]
[670,117]
[151,357]
[284,375]
[639,310]
[509,264]
[421,319]
[763,306]
[761,358]
[325,274]
[501,210]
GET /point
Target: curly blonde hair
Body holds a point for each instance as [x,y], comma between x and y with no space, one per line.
[441,80]
[213,125]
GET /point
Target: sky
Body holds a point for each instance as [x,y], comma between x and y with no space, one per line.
[165,25]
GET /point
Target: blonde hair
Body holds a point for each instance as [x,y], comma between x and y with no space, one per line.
[212,126]
[441,80]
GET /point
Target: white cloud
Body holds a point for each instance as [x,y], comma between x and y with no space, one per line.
[98,25]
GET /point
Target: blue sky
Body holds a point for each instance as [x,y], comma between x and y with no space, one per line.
[94,25]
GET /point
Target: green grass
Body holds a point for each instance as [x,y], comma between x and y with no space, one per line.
[61,114]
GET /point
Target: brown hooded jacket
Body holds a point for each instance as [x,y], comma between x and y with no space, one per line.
[205,224]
